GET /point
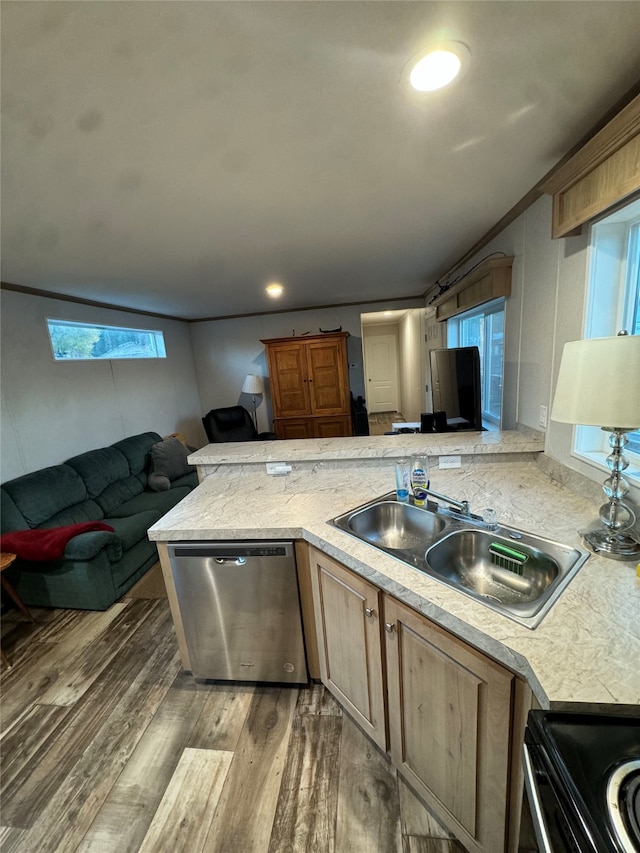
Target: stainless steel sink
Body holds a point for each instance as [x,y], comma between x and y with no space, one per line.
[394,525]
[513,572]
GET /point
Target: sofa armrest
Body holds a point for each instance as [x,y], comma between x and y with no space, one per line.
[88,545]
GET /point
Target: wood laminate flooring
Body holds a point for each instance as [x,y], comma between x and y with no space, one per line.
[108,747]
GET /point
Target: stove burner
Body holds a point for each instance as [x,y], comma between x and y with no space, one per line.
[623,802]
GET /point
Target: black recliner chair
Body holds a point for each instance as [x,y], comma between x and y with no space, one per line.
[233,423]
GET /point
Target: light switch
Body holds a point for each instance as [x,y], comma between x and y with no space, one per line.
[542,417]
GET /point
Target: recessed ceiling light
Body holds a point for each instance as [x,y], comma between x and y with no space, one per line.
[274,289]
[437,66]
[387,313]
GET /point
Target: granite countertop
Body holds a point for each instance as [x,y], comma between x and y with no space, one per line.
[370,447]
[587,648]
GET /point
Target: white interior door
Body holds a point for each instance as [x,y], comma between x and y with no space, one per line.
[381,364]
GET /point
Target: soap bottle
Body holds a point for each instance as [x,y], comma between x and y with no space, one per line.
[419,478]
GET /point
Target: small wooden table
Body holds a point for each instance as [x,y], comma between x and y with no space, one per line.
[7,560]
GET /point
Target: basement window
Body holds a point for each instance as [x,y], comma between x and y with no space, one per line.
[85,341]
[613,303]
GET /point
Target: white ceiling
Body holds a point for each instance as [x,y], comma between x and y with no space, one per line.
[176,156]
[384,318]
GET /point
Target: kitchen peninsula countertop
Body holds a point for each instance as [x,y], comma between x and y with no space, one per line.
[371,447]
[587,648]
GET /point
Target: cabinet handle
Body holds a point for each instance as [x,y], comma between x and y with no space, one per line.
[370,611]
[390,627]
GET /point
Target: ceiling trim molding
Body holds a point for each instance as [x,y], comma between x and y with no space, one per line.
[64,297]
[415,297]
[538,190]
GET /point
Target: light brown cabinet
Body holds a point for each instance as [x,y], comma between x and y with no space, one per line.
[449,724]
[309,386]
[452,716]
[348,613]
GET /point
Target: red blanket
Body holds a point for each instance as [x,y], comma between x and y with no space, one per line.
[47,544]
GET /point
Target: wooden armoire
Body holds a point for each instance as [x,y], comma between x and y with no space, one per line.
[310,385]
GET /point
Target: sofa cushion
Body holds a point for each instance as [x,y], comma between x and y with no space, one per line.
[43,494]
[99,468]
[132,528]
[189,480]
[10,516]
[137,450]
[107,477]
[160,501]
[118,493]
[84,511]
[169,462]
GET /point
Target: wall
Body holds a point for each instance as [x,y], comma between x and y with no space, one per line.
[412,364]
[54,410]
[435,338]
[226,350]
[545,310]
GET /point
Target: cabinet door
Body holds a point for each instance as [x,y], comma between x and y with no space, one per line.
[294,428]
[332,427]
[347,611]
[449,726]
[327,370]
[289,381]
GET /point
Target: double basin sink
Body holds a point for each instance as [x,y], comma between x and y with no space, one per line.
[508,570]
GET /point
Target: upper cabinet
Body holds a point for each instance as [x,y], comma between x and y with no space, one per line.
[309,385]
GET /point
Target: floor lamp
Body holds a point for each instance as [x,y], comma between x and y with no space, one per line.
[253,385]
[599,385]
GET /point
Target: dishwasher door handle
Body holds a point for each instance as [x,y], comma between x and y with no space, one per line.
[239,561]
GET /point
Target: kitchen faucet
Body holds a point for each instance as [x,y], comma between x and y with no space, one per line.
[461,510]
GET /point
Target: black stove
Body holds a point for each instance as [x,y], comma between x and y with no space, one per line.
[583,781]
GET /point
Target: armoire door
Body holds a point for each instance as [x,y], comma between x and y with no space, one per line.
[289,380]
[328,385]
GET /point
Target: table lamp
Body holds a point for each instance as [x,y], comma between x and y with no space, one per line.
[599,385]
[253,385]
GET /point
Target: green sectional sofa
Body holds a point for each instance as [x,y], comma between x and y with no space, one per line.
[108,485]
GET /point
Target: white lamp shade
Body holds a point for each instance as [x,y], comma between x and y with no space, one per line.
[599,383]
[253,384]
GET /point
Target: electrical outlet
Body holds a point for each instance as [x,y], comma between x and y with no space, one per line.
[542,417]
[449,461]
[278,469]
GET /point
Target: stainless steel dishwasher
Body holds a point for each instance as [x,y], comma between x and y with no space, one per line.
[240,609]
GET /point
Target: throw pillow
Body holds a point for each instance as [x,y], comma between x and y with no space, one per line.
[158,482]
[168,462]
